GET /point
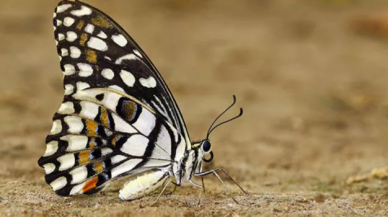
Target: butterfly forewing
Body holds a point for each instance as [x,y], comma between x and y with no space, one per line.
[118,117]
[97,51]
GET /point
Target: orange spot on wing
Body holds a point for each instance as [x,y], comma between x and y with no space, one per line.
[84,157]
[115,139]
[80,25]
[91,184]
[101,22]
[92,142]
[98,167]
[83,39]
[91,56]
[129,110]
[91,128]
[104,117]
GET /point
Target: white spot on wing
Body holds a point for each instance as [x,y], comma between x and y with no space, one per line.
[126,57]
[82,12]
[49,168]
[102,35]
[67,161]
[78,175]
[108,132]
[75,52]
[118,158]
[66,108]
[111,100]
[148,83]
[58,183]
[82,85]
[64,52]
[89,110]
[68,21]
[106,151]
[76,142]
[128,78]
[120,40]
[125,167]
[85,69]
[108,73]
[89,28]
[61,37]
[69,69]
[69,89]
[136,145]
[57,127]
[77,189]
[63,8]
[51,148]
[75,124]
[59,22]
[97,44]
[71,36]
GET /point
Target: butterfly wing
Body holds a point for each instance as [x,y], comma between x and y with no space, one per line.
[118,117]
[90,35]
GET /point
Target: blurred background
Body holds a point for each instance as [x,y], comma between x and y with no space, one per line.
[312,77]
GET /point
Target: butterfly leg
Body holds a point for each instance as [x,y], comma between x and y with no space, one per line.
[219,178]
[195,184]
[203,191]
[203,184]
[164,188]
[170,193]
[222,170]
[199,197]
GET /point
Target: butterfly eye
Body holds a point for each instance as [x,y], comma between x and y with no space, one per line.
[206,146]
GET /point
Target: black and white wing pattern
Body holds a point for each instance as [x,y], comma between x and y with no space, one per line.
[118,117]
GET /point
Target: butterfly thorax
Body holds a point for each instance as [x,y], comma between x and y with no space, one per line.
[191,163]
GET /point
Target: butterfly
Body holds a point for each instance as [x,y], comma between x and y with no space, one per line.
[118,118]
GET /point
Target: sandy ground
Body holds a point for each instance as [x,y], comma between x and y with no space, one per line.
[314,91]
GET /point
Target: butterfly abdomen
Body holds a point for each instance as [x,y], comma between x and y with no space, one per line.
[143,184]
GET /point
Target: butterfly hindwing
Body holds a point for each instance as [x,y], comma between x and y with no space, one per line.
[102,135]
[118,117]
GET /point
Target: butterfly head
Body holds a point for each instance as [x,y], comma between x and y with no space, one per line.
[206,148]
[200,152]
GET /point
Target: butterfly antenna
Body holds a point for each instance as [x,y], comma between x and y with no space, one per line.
[234,102]
[239,115]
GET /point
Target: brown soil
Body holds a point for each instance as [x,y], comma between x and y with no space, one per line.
[313,88]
